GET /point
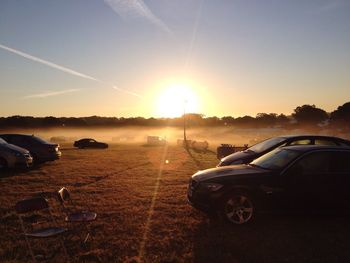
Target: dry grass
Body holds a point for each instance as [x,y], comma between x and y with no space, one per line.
[143,214]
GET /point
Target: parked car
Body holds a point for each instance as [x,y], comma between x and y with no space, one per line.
[305,178]
[90,143]
[259,149]
[12,156]
[40,149]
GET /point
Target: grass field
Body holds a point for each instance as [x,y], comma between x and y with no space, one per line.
[139,194]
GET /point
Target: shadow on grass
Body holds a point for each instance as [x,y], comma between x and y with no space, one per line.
[96,179]
[10,172]
[275,238]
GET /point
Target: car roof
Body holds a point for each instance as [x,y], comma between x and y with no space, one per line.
[306,148]
[17,134]
[310,135]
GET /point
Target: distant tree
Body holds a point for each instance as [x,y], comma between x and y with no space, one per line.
[245,121]
[213,121]
[51,121]
[194,119]
[341,115]
[266,120]
[309,114]
[282,120]
[228,120]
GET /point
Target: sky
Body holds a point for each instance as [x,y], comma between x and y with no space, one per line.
[159,58]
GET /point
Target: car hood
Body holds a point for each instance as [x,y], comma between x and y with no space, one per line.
[13,148]
[233,170]
[243,155]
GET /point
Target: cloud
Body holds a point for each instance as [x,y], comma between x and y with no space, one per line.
[128,92]
[62,68]
[48,63]
[50,94]
[332,5]
[136,8]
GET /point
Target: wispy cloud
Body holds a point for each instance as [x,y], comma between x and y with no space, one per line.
[136,8]
[50,94]
[128,92]
[332,5]
[64,69]
[48,63]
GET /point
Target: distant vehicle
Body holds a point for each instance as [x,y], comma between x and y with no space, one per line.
[306,178]
[12,156]
[90,143]
[259,149]
[40,149]
[156,141]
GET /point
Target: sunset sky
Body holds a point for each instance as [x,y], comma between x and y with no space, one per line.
[155,57]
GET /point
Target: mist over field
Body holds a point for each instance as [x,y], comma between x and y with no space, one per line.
[138,135]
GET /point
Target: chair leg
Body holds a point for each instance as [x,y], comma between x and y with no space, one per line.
[64,249]
[27,240]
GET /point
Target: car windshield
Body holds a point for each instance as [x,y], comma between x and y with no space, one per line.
[264,145]
[276,159]
[2,141]
[39,140]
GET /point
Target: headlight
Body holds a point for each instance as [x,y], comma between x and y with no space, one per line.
[212,187]
[17,154]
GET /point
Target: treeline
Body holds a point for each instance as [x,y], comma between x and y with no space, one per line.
[305,115]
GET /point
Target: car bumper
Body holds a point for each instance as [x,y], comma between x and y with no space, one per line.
[203,201]
[50,157]
[26,163]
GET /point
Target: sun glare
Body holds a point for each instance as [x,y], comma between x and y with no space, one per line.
[175,99]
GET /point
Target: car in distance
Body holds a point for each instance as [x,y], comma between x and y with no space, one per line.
[40,149]
[90,143]
[308,177]
[259,149]
[12,156]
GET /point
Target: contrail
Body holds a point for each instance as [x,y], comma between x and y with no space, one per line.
[48,63]
[50,93]
[194,36]
[136,8]
[64,69]
[128,92]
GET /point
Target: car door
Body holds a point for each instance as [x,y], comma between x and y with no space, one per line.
[308,183]
[340,167]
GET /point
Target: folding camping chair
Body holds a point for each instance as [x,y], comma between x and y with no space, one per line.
[37,222]
[75,216]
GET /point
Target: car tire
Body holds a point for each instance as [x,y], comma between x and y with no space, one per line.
[238,208]
[3,164]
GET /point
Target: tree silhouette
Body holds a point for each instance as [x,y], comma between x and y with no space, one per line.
[342,115]
[309,114]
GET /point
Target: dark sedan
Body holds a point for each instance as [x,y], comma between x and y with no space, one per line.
[259,149]
[40,149]
[306,177]
[90,143]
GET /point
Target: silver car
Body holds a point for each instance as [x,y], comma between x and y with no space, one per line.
[12,156]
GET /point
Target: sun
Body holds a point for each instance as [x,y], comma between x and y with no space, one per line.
[174,99]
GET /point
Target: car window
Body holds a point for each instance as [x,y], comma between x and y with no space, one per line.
[16,140]
[264,145]
[91,140]
[340,162]
[324,142]
[301,142]
[315,163]
[276,159]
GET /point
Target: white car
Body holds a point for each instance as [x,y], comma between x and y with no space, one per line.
[12,156]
